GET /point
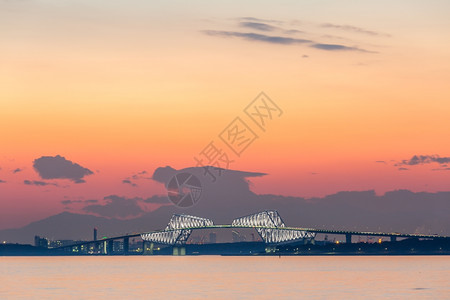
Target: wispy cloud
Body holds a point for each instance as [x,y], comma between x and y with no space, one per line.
[141,175]
[441,169]
[38,183]
[272,26]
[354,29]
[257,37]
[137,176]
[259,20]
[68,201]
[128,181]
[337,47]
[157,199]
[292,31]
[2,181]
[282,40]
[258,26]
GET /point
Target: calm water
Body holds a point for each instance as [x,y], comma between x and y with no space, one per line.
[216,277]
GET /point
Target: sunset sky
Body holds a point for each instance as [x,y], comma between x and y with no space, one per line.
[123,87]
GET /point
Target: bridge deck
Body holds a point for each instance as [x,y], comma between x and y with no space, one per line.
[324,231]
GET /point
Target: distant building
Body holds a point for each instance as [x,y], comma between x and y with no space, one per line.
[40,242]
[60,243]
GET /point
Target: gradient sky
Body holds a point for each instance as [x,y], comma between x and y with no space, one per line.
[121,87]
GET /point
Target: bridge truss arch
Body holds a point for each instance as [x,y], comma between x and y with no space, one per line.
[268,224]
[178,230]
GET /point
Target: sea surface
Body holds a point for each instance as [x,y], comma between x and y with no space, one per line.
[218,277]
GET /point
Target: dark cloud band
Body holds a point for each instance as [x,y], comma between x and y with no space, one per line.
[257,37]
[281,40]
[424,159]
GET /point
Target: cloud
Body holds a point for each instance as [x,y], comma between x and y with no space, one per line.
[380,161]
[140,175]
[261,25]
[354,29]
[424,159]
[17,170]
[403,169]
[2,181]
[68,202]
[164,174]
[258,26]
[127,181]
[329,36]
[157,199]
[38,183]
[257,37]
[337,47]
[252,19]
[57,167]
[441,169]
[136,176]
[292,31]
[281,40]
[117,207]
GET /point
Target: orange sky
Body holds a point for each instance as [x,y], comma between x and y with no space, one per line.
[131,85]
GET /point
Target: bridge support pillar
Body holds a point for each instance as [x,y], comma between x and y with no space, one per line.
[348,238]
[147,249]
[126,245]
[179,251]
[110,247]
[393,238]
[104,250]
[144,247]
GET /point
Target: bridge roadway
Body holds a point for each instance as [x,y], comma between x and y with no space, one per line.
[348,234]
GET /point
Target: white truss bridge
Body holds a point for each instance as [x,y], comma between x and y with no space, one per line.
[268,224]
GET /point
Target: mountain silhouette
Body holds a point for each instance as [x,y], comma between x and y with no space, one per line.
[227,196]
